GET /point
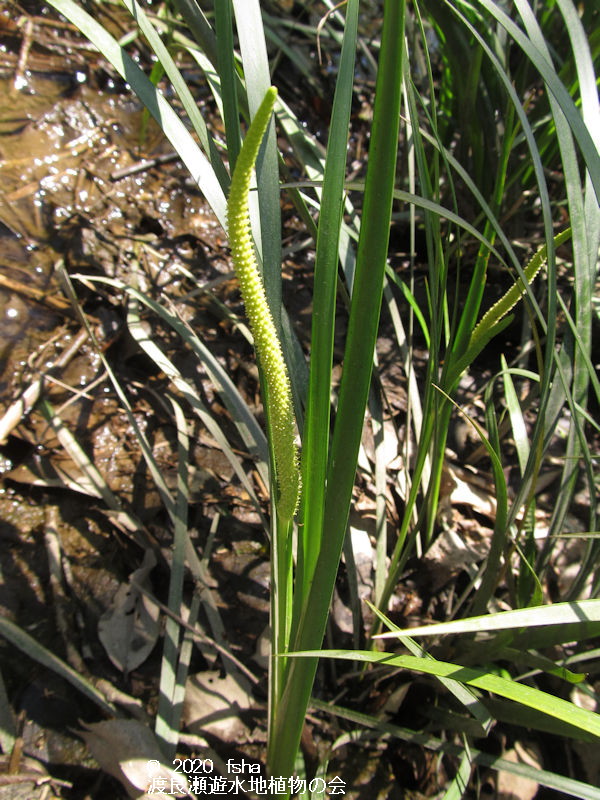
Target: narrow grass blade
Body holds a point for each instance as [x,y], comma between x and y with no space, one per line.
[581,132]
[251,434]
[227,73]
[587,611]
[193,398]
[459,784]
[91,480]
[267,235]
[315,445]
[8,728]
[168,717]
[200,27]
[198,165]
[33,649]
[587,721]
[552,780]
[177,80]
[465,696]
[516,417]
[141,438]
[538,663]
[381,522]
[362,331]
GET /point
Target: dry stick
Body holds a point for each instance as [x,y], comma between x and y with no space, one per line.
[21,407]
[58,303]
[63,622]
[142,166]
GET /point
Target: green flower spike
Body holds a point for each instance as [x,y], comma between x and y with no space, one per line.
[266,341]
[492,321]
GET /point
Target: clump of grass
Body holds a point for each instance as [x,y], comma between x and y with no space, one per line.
[464,196]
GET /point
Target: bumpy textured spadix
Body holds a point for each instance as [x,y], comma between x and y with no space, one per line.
[266,340]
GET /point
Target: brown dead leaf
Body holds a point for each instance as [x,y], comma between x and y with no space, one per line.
[29,781]
[129,751]
[452,553]
[363,567]
[129,629]
[213,705]
[469,489]
[516,787]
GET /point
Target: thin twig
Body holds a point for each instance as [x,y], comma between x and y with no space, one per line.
[19,409]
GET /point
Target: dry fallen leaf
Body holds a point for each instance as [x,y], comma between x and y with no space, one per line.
[213,705]
[30,781]
[450,554]
[363,562]
[469,489]
[517,787]
[129,751]
[129,629]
